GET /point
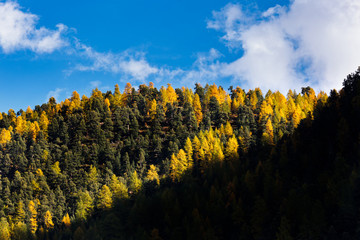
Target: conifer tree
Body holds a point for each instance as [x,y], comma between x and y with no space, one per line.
[19,212]
[189,152]
[171,96]
[118,188]
[197,109]
[174,163]
[84,205]
[66,220]
[135,182]
[33,217]
[104,198]
[152,174]
[268,133]
[152,110]
[228,129]
[49,224]
[231,149]
[4,229]
[5,136]
[218,154]
[20,231]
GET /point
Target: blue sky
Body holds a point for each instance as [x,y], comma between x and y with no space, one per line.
[51,48]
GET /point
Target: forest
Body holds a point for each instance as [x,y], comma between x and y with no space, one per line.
[202,163]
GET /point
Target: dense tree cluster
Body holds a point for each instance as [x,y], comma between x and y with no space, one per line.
[183,164]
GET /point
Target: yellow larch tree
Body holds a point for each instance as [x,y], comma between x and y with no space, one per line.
[66,220]
[75,101]
[183,160]
[189,152]
[96,93]
[12,116]
[253,99]
[33,225]
[174,162]
[268,133]
[85,205]
[218,154]
[128,89]
[21,125]
[34,130]
[152,174]
[117,96]
[49,224]
[127,92]
[293,112]
[104,198]
[231,148]
[152,110]
[221,95]
[135,182]
[228,130]
[197,109]
[266,111]
[56,168]
[171,94]
[235,104]
[5,136]
[44,122]
[205,155]
[107,104]
[84,101]
[238,99]
[29,113]
[178,165]
[212,92]
[4,229]
[118,188]
[168,95]
[19,212]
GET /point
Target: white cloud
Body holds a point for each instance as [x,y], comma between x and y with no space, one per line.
[18,31]
[139,69]
[95,84]
[131,64]
[206,69]
[230,19]
[310,42]
[55,93]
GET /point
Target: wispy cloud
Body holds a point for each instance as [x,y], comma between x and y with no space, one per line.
[309,43]
[133,64]
[18,31]
[55,93]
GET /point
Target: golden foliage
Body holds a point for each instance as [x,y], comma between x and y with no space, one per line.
[5,136]
[152,174]
[49,224]
[104,198]
[66,220]
[33,225]
[197,109]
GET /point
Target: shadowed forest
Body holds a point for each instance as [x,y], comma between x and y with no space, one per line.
[202,163]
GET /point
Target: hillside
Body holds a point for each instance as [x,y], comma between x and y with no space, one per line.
[183,164]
